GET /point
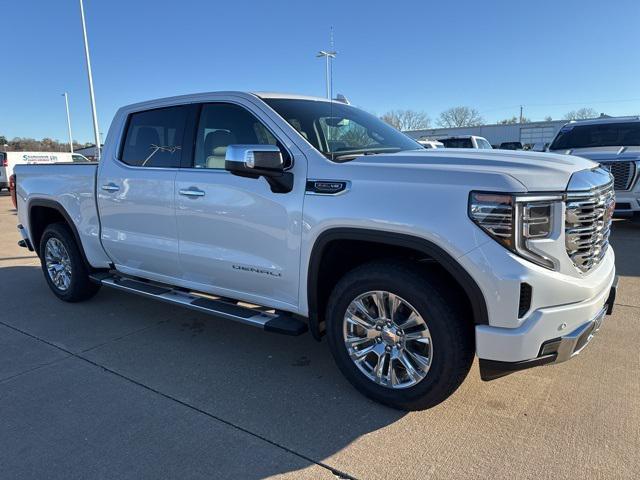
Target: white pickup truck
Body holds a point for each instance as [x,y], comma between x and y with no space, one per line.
[294,213]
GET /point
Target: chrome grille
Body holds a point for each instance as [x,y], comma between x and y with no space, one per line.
[587,225]
[623,173]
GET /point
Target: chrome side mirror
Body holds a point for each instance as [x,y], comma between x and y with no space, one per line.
[254,158]
[255,161]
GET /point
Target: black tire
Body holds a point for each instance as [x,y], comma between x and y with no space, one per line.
[451,333]
[80,287]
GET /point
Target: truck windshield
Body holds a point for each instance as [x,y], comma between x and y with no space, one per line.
[598,135]
[341,132]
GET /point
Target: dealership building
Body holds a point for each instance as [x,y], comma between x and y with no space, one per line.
[525,133]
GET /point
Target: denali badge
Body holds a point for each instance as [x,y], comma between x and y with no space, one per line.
[326,187]
[257,270]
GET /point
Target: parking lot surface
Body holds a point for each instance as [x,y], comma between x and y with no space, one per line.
[124,387]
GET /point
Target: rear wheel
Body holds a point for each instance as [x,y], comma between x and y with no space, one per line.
[63,265]
[397,336]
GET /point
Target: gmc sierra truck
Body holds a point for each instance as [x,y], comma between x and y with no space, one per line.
[614,143]
[296,214]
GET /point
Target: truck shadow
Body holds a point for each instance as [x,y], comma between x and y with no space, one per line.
[286,390]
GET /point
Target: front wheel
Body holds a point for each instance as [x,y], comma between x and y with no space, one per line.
[396,335]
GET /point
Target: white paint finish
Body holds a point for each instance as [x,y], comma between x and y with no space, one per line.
[138,220]
[498,273]
[71,186]
[240,222]
[524,342]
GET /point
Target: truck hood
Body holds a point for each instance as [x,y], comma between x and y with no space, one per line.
[605,154]
[535,171]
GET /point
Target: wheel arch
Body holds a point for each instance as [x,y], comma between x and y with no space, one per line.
[43,212]
[399,242]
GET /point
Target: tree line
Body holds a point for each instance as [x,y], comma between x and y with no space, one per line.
[464,116]
[461,116]
[26,144]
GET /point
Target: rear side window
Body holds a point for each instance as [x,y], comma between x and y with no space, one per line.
[154,138]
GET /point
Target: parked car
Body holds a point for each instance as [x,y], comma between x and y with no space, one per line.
[615,144]
[4,178]
[510,146]
[431,143]
[408,260]
[8,160]
[465,141]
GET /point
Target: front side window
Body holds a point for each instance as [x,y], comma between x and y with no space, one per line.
[625,134]
[224,124]
[339,131]
[154,138]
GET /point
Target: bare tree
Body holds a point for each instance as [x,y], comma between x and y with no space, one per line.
[514,119]
[460,117]
[24,144]
[548,118]
[407,119]
[581,114]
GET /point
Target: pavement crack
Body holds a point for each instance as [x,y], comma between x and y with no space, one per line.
[126,335]
[38,367]
[626,305]
[337,473]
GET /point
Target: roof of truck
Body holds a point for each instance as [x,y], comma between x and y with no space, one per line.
[290,96]
[597,121]
[203,96]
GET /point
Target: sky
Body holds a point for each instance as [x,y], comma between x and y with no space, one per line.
[551,56]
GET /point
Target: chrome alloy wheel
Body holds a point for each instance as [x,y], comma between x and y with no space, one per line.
[387,339]
[58,263]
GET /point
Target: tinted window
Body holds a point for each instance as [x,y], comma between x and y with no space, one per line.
[597,135]
[340,131]
[224,124]
[154,138]
[457,142]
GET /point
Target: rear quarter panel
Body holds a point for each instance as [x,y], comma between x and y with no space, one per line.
[72,187]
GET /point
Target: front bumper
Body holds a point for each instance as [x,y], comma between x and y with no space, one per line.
[555,350]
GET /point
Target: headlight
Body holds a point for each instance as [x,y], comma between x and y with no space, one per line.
[517,222]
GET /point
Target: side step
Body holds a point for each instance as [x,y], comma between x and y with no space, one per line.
[275,322]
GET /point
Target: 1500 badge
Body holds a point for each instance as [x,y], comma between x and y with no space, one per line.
[257,270]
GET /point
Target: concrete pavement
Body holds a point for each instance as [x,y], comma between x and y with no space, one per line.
[123,387]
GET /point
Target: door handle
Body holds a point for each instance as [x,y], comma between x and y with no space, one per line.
[192,192]
[110,187]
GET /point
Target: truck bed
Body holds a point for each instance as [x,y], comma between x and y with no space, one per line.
[69,189]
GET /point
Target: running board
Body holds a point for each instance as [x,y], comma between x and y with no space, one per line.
[275,322]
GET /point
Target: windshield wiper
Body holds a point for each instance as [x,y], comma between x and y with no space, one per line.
[354,154]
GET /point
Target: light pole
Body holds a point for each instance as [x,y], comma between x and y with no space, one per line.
[91,95]
[328,56]
[66,102]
